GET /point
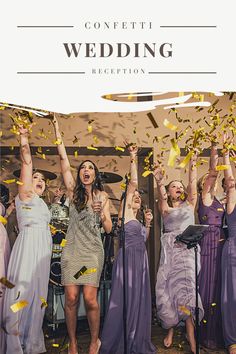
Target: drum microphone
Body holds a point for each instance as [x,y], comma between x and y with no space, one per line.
[63,199]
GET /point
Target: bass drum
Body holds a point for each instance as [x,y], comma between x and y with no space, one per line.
[55,271]
[59,216]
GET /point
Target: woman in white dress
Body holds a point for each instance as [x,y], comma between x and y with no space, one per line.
[29,264]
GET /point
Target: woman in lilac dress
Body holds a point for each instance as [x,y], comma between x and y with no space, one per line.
[138,293]
[228,294]
[211,212]
[29,264]
[175,286]
[4,258]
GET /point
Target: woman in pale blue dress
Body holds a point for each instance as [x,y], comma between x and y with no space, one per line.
[175,286]
[29,263]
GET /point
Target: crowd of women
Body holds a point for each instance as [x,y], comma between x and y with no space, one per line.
[24,271]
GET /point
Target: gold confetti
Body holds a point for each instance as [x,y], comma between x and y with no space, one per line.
[123,186]
[90,128]
[7,283]
[220,209]
[57,142]
[169,125]
[185,310]
[44,302]
[204,321]
[63,242]
[118,148]
[41,156]
[19,305]
[20,183]
[222,167]
[186,160]
[9,181]
[3,220]
[55,345]
[146,173]
[92,148]
[213,304]
[89,271]
[174,152]
[76,153]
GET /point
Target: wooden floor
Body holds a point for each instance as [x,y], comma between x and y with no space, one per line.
[56,342]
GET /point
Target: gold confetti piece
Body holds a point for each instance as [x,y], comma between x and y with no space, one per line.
[152,119]
[169,125]
[174,152]
[130,96]
[20,183]
[146,173]
[213,304]
[44,302]
[108,97]
[41,156]
[204,321]
[19,305]
[90,128]
[220,209]
[40,149]
[186,160]
[185,310]
[7,283]
[63,242]
[89,271]
[3,220]
[75,140]
[95,139]
[123,186]
[76,153]
[92,148]
[118,148]
[55,345]
[80,272]
[26,207]
[57,142]
[222,167]
[9,181]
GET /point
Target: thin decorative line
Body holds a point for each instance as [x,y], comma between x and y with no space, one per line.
[188,26]
[50,72]
[182,72]
[45,26]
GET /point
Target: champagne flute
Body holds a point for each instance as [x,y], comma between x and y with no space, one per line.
[97,202]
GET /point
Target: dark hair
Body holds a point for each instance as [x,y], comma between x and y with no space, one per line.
[4,194]
[169,201]
[80,197]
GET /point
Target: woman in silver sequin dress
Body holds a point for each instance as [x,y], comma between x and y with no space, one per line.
[83,255]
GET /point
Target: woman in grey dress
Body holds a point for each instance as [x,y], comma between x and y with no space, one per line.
[29,264]
[83,255]
[175,286]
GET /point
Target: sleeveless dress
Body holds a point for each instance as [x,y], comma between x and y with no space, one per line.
[4,258]
[138,298]
[83,248]
[211,332]
[228,294]
[175,286]
[28,270]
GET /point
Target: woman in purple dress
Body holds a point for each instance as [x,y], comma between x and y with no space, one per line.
[4,258]
[211,212]
[228,293]
[138,293]
[175,286]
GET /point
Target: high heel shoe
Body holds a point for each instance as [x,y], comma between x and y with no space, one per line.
[99,345]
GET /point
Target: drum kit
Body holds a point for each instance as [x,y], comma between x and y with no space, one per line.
[60,221]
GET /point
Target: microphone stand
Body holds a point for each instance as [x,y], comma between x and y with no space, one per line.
[193,244]
[122,236]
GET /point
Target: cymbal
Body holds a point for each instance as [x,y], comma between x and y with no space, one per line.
[110,177]
[47,174]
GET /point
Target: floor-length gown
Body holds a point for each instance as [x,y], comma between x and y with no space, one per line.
[4,258]
[138,298]
[175,286]
[28,270]
[228,294]
[211,332]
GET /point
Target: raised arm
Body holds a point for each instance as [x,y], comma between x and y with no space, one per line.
[26,188]
[229,179]
[209,186]
[161,190]
[64,161]
[192,180]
